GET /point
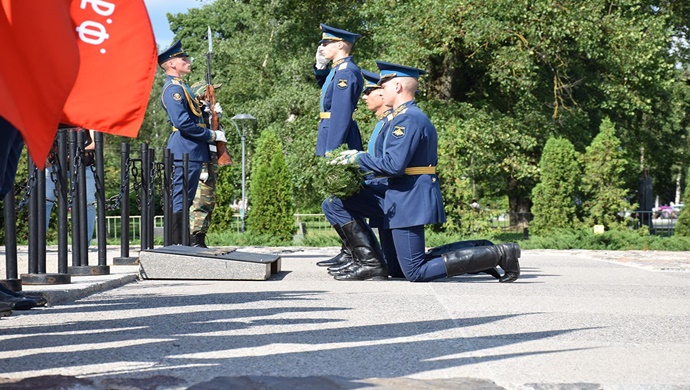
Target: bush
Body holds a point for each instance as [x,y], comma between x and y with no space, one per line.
[271,210]
[554,197]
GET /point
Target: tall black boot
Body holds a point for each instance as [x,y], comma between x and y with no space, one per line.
[440,250]
[341,258]
[366,253]
[176,228]
[199,240]
[510,263]
[477,259]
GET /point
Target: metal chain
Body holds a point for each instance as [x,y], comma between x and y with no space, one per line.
[136,184]
[28,189]
[115,201]
[152,183]
[75,178]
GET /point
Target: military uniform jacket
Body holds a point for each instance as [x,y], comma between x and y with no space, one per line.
[341,87]
[410,140]
[185,115]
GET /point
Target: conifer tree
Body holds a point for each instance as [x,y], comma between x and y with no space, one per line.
[271,208]
[603,183]
[553,198]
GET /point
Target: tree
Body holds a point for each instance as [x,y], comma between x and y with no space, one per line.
[602,184]
[271,210]
[503,77]
[554,197]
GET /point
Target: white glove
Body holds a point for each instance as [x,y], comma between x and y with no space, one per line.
[203,177]
[346,157]
[218,109]
[321,61]
[220,136]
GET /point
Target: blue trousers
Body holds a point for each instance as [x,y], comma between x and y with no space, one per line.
[194,174]
[90,198]
[408,243]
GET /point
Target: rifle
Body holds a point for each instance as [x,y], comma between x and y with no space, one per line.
[222,151]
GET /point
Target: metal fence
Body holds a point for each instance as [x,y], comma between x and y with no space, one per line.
[658,223]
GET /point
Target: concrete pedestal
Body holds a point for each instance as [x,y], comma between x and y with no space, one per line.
[185,262]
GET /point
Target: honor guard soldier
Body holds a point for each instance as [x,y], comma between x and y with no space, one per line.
[373,97]
[412,199]
[341,87]
[189,133]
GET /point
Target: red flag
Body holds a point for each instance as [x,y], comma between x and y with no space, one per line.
[118,64]
[39,66]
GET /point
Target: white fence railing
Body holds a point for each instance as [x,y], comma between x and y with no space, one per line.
[113,224]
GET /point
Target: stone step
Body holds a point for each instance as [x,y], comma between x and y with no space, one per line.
[186,262]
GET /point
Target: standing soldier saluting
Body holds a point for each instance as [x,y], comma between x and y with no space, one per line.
[341,87]
[189,133]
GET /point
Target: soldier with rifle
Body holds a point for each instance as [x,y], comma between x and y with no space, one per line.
[205,197]
[189,133]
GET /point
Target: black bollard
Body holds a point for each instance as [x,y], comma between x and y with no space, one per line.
[61,187]
[33,219]
[74,203]
[167,199]
[11,280]
[185,199]
[124,258]
[41,218]
[151,205]
[100,200]
[144,195]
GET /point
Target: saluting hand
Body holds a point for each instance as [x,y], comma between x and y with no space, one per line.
[321,61]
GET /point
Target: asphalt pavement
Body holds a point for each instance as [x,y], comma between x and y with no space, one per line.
[574,320]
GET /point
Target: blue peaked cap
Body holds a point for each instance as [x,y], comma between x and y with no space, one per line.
[175,50]
[335,34]
[371,80]
[389,70]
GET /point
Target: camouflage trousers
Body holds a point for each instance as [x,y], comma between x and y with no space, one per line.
[204,199]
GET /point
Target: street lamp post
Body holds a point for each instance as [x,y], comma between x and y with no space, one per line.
[243,118]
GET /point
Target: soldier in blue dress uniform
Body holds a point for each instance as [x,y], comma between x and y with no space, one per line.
[189,133]
[341,87]
[374,101]
[411,200]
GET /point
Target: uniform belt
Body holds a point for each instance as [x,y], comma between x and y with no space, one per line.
[176,129]
[430,170]
[327,115]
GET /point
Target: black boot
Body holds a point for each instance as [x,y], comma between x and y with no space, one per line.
[366,253]
[199,240]
[510,263]
[478,259]
[341,258]
[440,250]
[343,268]
[38,297]
[18,303]
[176,228]
[5,309]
